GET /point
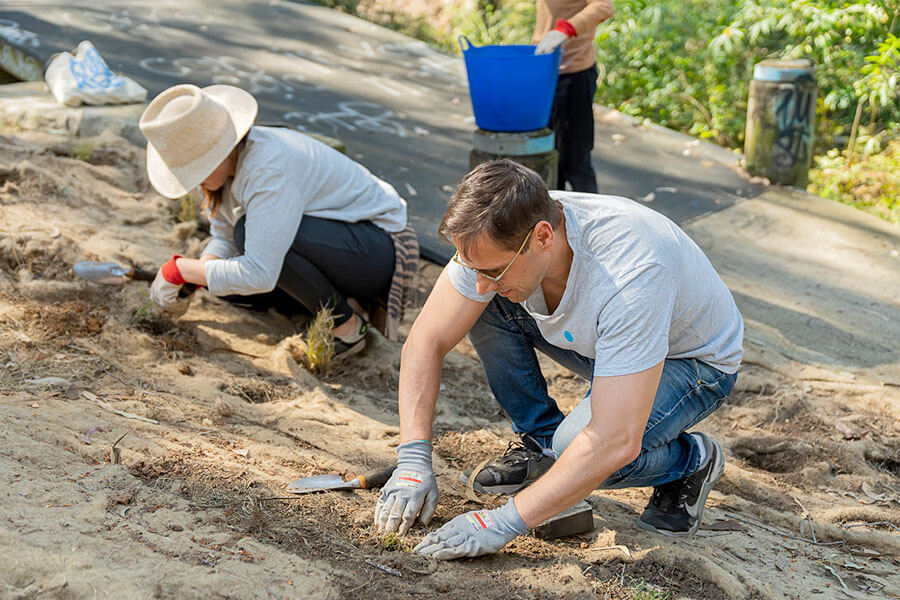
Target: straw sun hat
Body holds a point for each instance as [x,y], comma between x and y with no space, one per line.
[190,131]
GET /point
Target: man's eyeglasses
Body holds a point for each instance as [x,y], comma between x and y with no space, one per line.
[488,274]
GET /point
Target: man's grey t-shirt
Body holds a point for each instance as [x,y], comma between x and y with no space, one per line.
[639,291]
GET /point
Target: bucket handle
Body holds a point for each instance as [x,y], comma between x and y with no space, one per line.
[468,45]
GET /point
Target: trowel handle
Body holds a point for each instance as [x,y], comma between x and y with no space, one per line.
[377,478]
[142,274]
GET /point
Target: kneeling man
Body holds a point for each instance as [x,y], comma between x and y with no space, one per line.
[612,290]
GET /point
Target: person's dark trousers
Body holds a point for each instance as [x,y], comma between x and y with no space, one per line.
[572,121]
[327,262]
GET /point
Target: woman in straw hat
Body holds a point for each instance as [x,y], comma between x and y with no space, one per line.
[292,220]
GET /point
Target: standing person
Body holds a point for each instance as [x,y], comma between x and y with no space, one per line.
[572,23]
[612,290]
[286,212]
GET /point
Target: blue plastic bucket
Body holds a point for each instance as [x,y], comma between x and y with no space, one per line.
[511,88]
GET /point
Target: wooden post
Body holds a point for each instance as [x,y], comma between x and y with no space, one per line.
[533,149]
[781,117]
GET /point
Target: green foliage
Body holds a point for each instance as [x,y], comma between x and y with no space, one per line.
[83,151]
[642,590]
[394,543]
[510,22]
[319,348]
[878,86]
[687,64]
[187,208]
[416,27]
[872,184]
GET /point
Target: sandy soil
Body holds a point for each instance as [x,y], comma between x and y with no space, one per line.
[210,419]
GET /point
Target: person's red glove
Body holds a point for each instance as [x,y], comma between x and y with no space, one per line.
[164,291]
[556,36]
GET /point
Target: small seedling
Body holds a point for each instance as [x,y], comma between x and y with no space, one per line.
[319,349]
[394,543]
[83,151]
[188,208]
[643,590]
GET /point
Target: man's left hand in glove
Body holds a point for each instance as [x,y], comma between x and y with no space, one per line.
[474,533]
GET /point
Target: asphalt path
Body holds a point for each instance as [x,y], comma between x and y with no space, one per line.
[401,108]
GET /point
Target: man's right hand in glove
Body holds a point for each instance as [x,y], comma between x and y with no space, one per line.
[411,491]
[164,291]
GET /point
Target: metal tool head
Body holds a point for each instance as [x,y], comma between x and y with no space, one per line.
[315,483]
[109,273]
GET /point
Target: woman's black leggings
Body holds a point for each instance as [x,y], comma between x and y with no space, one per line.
[327,262]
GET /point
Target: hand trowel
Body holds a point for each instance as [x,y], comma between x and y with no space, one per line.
[114,274]
[110,273]
[318,483]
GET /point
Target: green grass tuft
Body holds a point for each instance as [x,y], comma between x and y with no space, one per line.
[394,543]
[319,349]
[83,151]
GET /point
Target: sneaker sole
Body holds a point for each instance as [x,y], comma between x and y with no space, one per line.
[354,349]
[718,469]
[494,489]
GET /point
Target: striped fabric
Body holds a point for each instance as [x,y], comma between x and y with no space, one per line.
[387,315]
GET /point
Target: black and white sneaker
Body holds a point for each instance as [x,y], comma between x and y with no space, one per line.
[520,466]
[348,345]
[676,508]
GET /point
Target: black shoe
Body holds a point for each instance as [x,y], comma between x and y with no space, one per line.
[676,508]
[348,345]
[520,465]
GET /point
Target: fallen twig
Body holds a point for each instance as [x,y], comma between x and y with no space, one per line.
[115,453]
[835,573]
[359,587]
[121,413]
[385,568]
[470,483]
[298,497]
[808,518]
[777,531]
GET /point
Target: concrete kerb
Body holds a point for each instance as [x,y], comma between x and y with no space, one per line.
[30,106]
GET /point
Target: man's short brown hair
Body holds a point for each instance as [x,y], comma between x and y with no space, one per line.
[500,199]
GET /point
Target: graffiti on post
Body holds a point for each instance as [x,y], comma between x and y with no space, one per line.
[793,126]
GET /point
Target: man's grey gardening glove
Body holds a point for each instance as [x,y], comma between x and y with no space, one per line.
[474,533]
[411,491]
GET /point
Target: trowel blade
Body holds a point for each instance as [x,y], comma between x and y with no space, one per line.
[316,483]
[109,273]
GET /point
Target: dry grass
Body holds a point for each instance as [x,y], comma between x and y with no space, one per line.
[316,352]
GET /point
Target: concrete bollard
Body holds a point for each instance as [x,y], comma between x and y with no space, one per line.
[533,149]
[781,117]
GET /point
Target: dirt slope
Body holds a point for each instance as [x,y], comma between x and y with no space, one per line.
[217,419]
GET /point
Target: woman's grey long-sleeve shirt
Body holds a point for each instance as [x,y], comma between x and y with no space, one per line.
[282,175]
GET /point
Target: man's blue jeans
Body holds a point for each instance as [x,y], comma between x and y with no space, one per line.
[505,337]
